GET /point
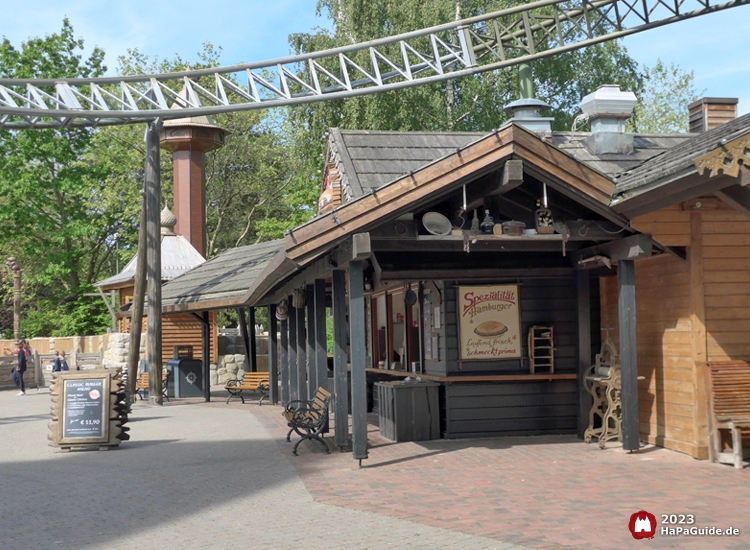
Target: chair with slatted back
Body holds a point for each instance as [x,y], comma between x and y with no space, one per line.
[309,419]
[729,399]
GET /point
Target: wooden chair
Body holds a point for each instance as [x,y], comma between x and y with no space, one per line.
[141,385]
[252,381]
[309,419]
[729,399]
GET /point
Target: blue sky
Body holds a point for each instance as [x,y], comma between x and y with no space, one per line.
[714,46]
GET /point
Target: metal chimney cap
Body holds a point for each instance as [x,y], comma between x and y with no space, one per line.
[609,101]
[537,104]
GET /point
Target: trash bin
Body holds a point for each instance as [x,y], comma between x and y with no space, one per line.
[408,411]
[186,377]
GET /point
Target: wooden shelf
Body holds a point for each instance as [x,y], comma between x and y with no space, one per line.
[483,237]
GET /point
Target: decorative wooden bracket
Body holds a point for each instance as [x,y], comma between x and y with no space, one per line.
[727,158]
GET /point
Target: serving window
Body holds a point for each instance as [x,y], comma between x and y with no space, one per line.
[394,328]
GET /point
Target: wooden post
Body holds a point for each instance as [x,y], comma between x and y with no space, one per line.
[153,259]
[293,370]
[273,356]
[628,355]
[301,356]
[340,329]
[243,333]
[205,356]
[312,372]
[583,285]
[136,321]
[284,361]
[357,340]
[698,329]
[321,351]
[251,339]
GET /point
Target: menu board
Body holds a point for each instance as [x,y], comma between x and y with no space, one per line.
[489,322]
[85,409]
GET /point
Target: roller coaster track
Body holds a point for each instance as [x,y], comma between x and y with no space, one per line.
[466,47]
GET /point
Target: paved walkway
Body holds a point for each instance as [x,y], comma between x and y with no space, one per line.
[208,475]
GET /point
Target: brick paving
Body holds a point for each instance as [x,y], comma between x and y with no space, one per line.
[193,476]
[211,475]
[543,492]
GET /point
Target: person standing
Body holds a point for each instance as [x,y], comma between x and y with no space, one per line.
[20,367]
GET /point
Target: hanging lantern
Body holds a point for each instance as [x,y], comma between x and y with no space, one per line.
[299,298]
[543,220]
[282,311]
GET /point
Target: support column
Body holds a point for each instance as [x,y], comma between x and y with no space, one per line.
[321,351]
[312,373]
[585,402]
[251,339]
[153,259]
[293,371]
[205,356]
[358,352]
[628,354]
[698,333]
[284,361]
[139,291]
[301,356]
[244,333]
[273,356]
[340,329]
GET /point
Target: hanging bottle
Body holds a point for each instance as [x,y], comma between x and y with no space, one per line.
[487,224]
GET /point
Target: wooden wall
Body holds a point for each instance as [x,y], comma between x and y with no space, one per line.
[670,226]
[726,264]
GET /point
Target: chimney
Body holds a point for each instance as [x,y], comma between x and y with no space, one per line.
[710,112]
[607,109]
[527,111]
[188,139]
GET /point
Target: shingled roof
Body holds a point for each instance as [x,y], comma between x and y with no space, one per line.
[368,160]
[678,161]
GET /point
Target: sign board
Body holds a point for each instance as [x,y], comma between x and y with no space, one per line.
[85,408]
[489,322]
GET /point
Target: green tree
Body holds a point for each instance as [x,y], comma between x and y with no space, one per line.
[471,103]
[51,215]
[662,107]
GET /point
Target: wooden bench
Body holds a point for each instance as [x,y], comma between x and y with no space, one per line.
[252,381]
[141,385]
[309,419]
[729,399]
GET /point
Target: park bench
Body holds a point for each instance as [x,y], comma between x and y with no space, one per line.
[309,419]
[729,399]
[252,381]
[141,385]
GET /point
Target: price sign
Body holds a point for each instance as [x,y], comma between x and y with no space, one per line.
[85,409]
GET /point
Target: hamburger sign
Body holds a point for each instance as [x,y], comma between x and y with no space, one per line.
[489,323]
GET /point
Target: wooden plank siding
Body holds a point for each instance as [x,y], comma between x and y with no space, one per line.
[726,264]
[669,226]
[664,346]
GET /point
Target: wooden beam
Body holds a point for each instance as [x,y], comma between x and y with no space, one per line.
[251,337]
[737,197]
[152,255]
[284,362]
[357,339]
[497,183]
[205,357]
[301,355]
[355,248]
[244,334]
[452,274]
[273,356]
[633,247]
[340,357]
[512,177]
[477,243]
[594,230]
[293,349]
[583,293]
[698,334]
[705,204]
[312,371]
[321,268]
[628,355]
[321,351]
